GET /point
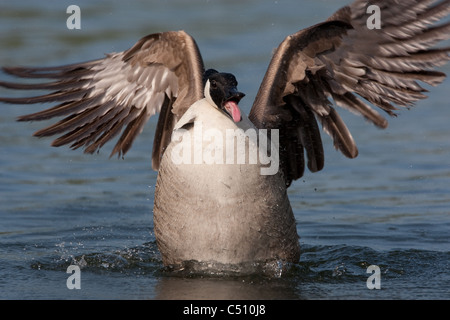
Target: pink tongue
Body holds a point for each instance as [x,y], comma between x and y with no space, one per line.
[233,109]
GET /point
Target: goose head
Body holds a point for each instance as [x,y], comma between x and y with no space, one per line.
[221,92]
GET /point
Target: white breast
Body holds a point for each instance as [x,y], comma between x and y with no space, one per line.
[216,207]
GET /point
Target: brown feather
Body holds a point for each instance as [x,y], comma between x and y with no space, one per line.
[100,98]
[343,60]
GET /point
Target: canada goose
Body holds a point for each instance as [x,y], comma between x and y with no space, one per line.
[228,212]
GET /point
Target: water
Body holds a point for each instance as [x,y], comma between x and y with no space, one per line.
[389,207]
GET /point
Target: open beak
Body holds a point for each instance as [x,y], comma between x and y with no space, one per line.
[231,104]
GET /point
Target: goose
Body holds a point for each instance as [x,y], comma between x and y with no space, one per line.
[209,207]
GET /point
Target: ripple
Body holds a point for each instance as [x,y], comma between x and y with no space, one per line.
[144,259]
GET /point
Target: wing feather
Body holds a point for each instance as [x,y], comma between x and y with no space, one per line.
[117,94]
[343,61]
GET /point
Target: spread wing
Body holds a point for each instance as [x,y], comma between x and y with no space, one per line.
[99,99]
[345,61]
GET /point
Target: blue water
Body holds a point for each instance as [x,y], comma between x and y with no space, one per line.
[389,207]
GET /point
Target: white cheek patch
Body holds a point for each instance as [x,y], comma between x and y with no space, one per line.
[208,95]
